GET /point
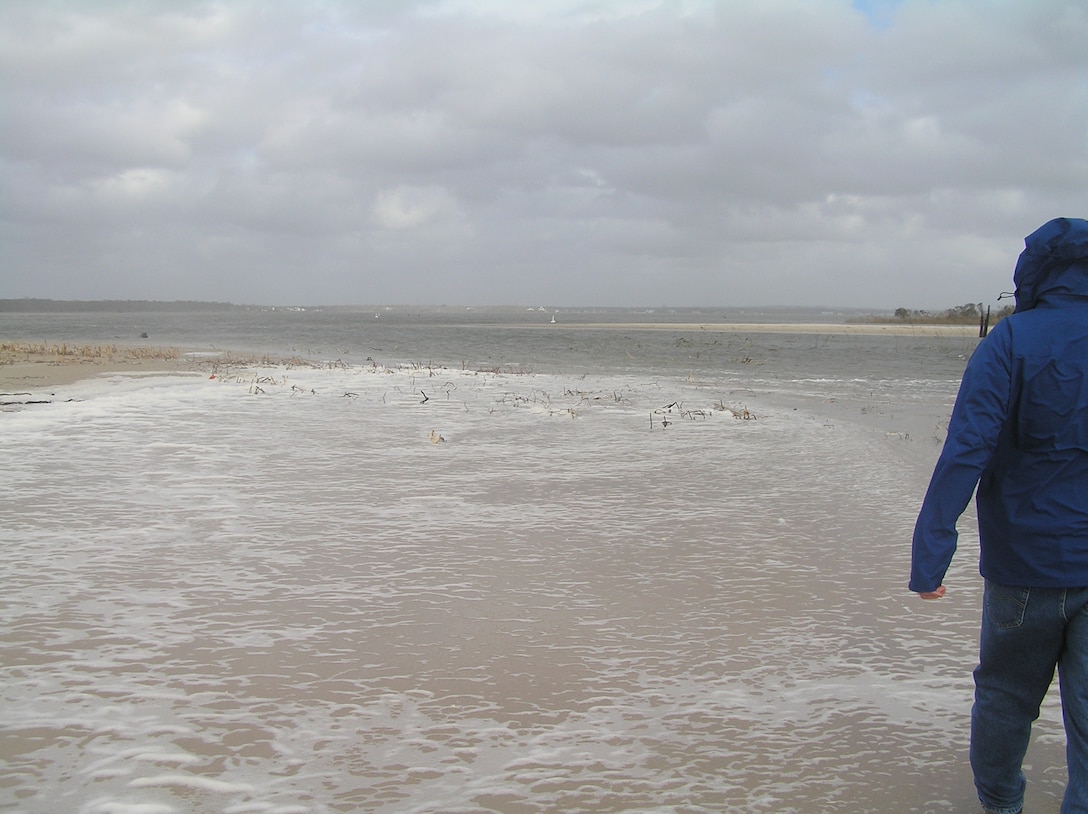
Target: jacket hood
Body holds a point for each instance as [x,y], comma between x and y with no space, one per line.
[1054,263]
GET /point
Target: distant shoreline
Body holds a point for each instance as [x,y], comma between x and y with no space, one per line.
[859,328]
[38,305]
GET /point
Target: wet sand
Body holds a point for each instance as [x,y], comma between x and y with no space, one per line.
[275,591]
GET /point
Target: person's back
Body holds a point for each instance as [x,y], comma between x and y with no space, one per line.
[1033,498]
[1019,432]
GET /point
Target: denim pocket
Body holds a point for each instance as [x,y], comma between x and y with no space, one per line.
[1005,605]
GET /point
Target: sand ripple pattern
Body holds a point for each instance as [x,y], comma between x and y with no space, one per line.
[281,592]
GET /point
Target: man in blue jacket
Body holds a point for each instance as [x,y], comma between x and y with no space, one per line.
[1019,432]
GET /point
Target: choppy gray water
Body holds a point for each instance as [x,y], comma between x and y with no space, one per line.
[656,571]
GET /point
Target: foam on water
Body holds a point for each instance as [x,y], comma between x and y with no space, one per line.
[281,592]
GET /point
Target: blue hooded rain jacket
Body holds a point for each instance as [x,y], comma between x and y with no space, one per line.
[1019,432]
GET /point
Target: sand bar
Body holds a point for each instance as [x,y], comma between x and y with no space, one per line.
[33,368]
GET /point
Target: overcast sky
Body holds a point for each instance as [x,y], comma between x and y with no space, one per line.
[874,154]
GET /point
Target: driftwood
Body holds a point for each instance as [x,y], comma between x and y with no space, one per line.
[27,401]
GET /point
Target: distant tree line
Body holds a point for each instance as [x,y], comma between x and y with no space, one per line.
[966,314]
[43,306]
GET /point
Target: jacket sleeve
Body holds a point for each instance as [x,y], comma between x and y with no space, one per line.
[977,418]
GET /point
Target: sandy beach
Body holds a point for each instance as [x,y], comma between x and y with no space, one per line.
[32,367]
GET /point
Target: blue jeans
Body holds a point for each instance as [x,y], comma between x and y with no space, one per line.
[1026,634]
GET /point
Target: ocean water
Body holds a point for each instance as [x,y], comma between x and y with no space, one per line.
[444,562]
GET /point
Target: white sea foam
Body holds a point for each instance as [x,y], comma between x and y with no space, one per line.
[276,592]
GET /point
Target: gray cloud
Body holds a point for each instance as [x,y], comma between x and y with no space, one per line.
[616,153]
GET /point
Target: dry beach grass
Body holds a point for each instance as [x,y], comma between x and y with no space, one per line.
[32,366]
[36,367]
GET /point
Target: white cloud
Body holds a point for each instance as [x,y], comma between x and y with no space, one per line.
[418,209]
[133,187]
